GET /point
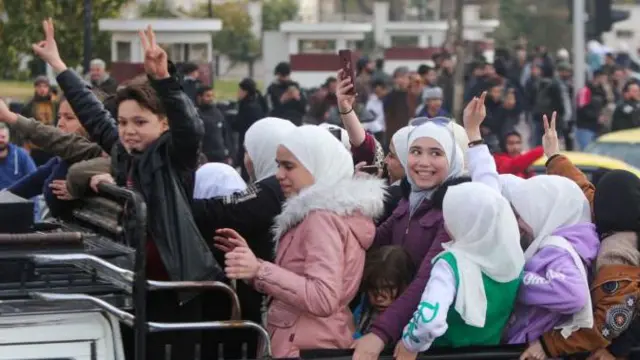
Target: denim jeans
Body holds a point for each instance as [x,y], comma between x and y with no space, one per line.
[584,137]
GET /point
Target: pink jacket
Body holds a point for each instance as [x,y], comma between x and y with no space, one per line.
[323,234]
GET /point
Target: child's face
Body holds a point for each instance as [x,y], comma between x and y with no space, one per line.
[138,127]
[382,299]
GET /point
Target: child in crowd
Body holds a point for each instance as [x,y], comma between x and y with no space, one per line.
[388,270]
[474,282]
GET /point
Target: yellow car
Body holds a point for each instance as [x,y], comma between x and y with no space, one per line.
[593,166]
[623,145]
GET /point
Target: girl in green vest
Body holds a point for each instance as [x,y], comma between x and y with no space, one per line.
[478,273]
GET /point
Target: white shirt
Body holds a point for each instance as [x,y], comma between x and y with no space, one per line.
[375,107]
[429,321]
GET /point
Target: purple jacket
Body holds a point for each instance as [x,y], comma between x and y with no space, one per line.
[552,288]
[422,236]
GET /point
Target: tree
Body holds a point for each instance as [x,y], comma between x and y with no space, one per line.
[156,9]
[275,12]
[235,40]
[541,22]
[22,26]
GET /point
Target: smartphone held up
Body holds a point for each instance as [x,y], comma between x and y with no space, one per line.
[348,70]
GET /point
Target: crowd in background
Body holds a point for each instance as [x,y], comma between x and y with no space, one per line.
[365,219]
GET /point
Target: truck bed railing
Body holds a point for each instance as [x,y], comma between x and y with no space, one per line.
[135,281]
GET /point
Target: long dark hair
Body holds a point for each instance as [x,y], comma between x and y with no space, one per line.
[387,268]
[250,86]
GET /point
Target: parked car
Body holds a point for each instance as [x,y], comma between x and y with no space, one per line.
[622,145]
[592,165]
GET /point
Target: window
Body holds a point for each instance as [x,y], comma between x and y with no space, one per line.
[123,51]
[404,41]
[624,34]
[317,46]
[198,53]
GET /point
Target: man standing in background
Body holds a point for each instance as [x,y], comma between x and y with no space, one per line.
[44,108]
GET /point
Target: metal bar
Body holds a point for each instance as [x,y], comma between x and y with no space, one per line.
[40,238]
[151,285]
[236,310]
[219,325]
[121,315]
[70,258]
[136,237]
[579,67]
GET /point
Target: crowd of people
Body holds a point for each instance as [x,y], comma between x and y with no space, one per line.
[404,233]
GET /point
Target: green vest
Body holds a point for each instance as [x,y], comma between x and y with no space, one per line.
[500,300]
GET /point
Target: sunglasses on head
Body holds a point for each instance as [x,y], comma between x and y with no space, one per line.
[439,120]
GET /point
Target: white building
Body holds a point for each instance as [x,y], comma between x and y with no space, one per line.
[184,39]
[625,32]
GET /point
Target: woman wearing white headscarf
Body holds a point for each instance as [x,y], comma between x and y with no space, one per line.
[324,229]
[478,273]
[562,244]
[434,161]
[251,213]
[215,180]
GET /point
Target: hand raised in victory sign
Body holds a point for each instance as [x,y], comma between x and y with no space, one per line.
[155,58]
[550,141]
[47,49]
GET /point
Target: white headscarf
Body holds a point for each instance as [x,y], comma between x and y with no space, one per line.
[400,141]
[215,180]
[444,136]
[261,142]
[321,153]
[509,182]
[462,139]
[344,135]
[485,240]
[546,203]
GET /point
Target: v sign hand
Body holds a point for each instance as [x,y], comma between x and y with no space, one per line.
[47,49]
[155,58]
[550,141]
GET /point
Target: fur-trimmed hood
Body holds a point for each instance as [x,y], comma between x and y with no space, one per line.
[363,195]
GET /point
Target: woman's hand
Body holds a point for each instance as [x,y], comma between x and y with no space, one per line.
[155,58]
[601,354]
[47,49]
[99,179]
[401,352]
[534,352]
[473,116]
[346,100]
[6,116]
[368,347]
[550,141]
[59,189]
[241,264]
[226,240]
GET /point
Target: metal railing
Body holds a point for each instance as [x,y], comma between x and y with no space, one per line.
[136,283]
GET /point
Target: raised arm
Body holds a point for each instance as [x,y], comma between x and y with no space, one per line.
[560,165]
[482,166]
[90,111]
[185,125]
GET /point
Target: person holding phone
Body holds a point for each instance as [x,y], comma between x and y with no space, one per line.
[285,96]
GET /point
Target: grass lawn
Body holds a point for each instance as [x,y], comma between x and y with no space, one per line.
[22,91]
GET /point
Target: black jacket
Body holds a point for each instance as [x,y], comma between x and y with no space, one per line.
[250,213]
[626,116]
[588,115]
[249,111]
[190,87]
[292,110]
[214,144]
[164,173]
